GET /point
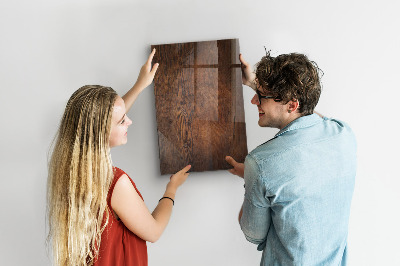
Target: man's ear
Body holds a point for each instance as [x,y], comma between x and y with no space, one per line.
[293,105]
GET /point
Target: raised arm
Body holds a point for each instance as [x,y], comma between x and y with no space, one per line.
[145,78]
[131,209]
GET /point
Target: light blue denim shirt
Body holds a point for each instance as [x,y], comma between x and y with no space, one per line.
[298,190]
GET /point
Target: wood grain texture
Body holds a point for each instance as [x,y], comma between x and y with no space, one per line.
[199,105]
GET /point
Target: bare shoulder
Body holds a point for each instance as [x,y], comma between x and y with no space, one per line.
[123,181]
[123,191]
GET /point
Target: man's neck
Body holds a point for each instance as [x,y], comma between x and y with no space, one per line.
[290,119]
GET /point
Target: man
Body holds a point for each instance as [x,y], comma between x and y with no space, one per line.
[299,184]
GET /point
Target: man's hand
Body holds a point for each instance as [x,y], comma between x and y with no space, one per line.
[248,75]
[238,168]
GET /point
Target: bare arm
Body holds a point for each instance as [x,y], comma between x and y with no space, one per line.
[145,78]
[133,212]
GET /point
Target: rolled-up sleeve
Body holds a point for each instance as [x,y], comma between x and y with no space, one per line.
[256,217]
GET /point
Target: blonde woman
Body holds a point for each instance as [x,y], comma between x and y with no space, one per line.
[96,214]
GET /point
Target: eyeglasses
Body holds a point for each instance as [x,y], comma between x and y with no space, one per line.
[276,99]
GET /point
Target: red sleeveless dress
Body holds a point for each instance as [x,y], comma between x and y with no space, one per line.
[119,246]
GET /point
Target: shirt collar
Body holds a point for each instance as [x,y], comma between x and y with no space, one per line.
[301,122]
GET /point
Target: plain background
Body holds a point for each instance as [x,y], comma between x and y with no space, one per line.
[49,49]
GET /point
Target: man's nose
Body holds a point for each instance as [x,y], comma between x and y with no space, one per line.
[254,100]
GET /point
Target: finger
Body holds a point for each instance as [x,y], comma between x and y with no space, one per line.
[154,69]
[186,168]
[231,161]
[151,56]
[243,61]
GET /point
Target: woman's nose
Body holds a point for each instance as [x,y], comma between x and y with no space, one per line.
[254,100]
[129,122]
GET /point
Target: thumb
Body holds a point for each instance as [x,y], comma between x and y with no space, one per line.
[231,161]
[186,168]
[244,63]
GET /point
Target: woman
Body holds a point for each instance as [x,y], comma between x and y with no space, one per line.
[96,214]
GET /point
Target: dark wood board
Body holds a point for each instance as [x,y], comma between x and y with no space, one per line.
[199,105]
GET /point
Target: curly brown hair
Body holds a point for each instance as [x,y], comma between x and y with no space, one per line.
[290,77]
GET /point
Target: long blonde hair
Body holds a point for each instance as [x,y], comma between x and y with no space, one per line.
[80,174]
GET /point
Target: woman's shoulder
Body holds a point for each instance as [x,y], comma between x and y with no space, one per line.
[118,172]
[121,177]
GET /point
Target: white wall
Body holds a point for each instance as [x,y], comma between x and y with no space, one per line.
[50,48]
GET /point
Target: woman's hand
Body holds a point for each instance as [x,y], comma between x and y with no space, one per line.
[146,74]
[238,168]
[178,179]
[248,75]
[145,78]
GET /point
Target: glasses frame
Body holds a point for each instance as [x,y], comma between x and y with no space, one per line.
[276,99]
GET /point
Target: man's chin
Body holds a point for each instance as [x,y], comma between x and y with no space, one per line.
[261,124]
